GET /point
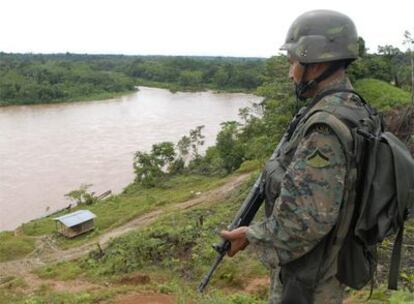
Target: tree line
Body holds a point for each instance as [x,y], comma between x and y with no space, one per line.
[31,78]
[38,78]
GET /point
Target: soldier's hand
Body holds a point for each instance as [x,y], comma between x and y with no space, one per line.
[237,238]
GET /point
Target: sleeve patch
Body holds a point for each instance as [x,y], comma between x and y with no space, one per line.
[317,159]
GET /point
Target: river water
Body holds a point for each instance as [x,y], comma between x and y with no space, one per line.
[49,150]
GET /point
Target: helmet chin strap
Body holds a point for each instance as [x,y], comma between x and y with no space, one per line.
[302,87]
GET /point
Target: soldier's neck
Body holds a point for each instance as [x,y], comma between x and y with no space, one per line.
[337,79]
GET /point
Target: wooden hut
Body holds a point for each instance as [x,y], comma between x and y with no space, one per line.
[75,223]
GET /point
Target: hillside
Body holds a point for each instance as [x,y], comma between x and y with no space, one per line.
[164,259]
[155,238]
[382,95]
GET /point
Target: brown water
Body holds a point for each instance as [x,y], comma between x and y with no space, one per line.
[49,150]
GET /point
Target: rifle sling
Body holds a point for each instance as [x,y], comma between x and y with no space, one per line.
[396,260]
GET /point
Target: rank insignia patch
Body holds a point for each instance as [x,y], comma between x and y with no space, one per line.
[317,160]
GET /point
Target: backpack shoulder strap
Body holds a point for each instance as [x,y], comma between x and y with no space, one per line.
[340,129]
[369,109]
[396,260]
[346,138]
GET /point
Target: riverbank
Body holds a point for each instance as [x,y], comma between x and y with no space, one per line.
[174,87]
[94,143]
[49,78]
[112,212]
[162,255]
[85,98]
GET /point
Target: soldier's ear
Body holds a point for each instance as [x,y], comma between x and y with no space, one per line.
[316,69]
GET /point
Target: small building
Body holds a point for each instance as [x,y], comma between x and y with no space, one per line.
[75,223]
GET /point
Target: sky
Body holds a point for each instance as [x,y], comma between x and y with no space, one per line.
[183,27]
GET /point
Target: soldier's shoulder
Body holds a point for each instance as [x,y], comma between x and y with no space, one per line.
[319,129]
[341,99]
[323,147]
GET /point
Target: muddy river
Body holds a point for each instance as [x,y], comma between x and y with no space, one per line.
[49,150]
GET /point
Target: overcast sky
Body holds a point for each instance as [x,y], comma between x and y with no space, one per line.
[183,27]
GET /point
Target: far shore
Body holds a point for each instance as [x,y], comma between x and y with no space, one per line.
[173,88]
[95,97]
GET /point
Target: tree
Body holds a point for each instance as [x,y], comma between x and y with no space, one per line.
[151,167]
[190,78]
[183,146]
[164,153]
[392,55]
[82,195]
[362,50]
[147,169]
[196,140]
[228,146]
[221,78]
[409,40]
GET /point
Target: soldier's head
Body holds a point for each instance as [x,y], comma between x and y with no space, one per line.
[319,44]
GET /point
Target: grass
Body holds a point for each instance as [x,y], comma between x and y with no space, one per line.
[14,246]
[45,294]
[381,295]
[382,95]
[176,245]
[62,271]
[175,253]
[250,165]
[180,244]
[113,212]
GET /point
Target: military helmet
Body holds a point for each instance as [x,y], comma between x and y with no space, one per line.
[322,36]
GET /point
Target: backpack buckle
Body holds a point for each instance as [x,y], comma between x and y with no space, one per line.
[366,134]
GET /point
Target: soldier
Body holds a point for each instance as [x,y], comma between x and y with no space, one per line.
[307,184]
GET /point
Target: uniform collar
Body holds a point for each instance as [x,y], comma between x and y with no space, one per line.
[336,84]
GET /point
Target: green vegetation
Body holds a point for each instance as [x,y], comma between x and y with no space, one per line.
[82,195]
[134,201]
[33,79]
[113,212]
[169,257]
[382,95]
[14,246]
[195,73]
[45,294]
[36,78]
[177,242]
[60,271]
[174,252]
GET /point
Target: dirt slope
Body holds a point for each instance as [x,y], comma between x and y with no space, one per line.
[46,252]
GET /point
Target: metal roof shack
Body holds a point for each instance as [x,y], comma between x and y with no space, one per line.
[75,223]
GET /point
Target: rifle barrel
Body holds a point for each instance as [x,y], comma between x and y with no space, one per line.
[206,279]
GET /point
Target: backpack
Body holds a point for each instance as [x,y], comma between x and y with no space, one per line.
[379,193]
[384,199]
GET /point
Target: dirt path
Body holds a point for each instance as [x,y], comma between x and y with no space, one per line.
[146,299]
[46,252]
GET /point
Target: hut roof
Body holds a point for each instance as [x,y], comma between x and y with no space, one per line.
[75,218]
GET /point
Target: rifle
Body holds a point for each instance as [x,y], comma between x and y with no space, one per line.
[244,217]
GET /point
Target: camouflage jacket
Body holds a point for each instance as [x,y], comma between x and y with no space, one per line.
[304,187]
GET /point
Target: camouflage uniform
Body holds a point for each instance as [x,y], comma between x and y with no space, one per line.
[309,184]
[304,188]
